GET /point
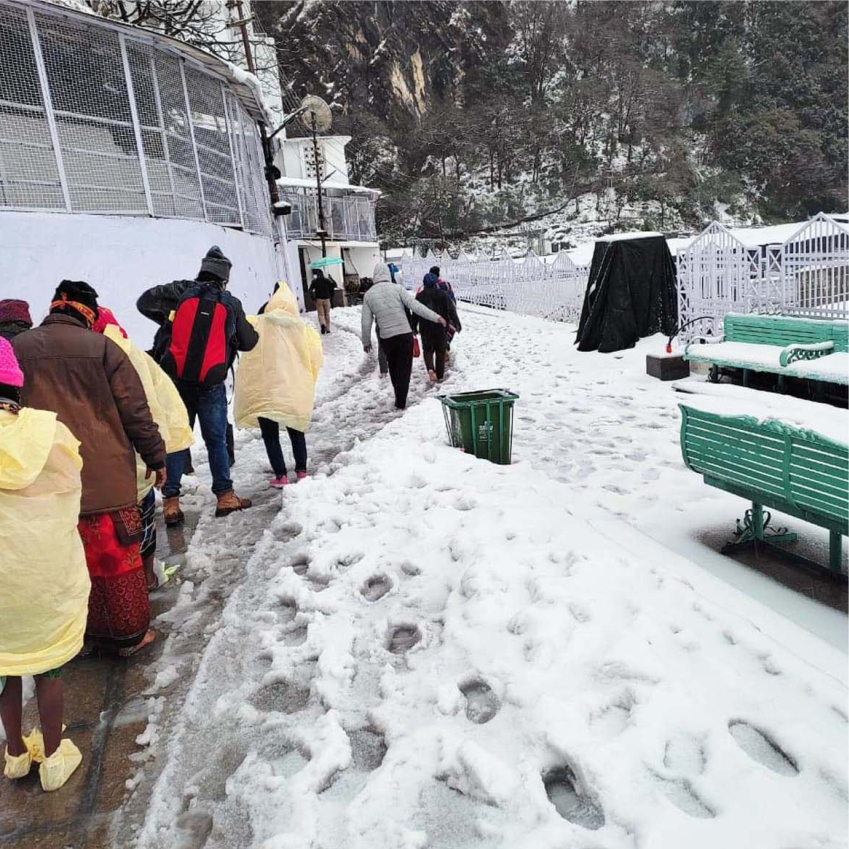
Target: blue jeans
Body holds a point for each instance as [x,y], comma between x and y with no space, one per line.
[271,437]
[209,405]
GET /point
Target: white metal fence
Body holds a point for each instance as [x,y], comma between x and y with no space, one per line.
[349,218]
[806,275]
[98,119]
[529,286]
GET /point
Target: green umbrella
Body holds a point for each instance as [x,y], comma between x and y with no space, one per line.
[325,261]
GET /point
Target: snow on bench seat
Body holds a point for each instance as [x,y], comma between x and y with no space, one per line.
[740,354]
[833,368]
[729,400]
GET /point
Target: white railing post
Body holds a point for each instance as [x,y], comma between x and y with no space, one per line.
[134,114]
[48,106]
[192,137]
[229,125]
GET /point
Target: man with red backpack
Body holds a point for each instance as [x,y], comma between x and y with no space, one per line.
[202,327]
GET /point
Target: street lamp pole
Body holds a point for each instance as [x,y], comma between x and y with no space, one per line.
[322,230]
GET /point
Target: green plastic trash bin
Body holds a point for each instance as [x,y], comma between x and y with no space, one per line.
[481,423]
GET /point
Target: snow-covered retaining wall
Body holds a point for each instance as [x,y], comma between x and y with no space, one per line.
[121,256]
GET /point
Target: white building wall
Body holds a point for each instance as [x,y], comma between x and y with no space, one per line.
[123,256]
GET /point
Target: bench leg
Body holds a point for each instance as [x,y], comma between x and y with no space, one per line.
[754,532]
[755,528]
[835,551]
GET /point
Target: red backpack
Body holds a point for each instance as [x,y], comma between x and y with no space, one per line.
[202,331]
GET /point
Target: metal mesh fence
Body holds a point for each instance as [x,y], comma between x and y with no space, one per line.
[29,176]
[93,119]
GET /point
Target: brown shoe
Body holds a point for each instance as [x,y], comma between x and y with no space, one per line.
[172,512]
[229,502]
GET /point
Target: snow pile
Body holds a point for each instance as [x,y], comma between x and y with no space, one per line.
[432,651]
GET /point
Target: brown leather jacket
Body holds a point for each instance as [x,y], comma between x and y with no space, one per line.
[89,382]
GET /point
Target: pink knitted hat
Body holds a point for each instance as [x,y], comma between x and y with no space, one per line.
[10,371]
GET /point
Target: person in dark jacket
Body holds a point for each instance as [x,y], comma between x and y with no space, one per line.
[435,336]
[14,318]
[91,385]
[209,404]
[321,291]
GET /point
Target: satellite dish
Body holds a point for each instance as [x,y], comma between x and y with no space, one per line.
[316,117]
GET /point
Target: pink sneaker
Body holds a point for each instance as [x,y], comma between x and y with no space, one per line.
[301,475]
[432,376]
[279,483]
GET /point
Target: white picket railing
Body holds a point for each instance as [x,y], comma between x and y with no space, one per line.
[807,275]
[718,273]
[530,286]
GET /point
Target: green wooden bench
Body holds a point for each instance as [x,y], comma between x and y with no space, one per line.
[772,464]
[779,345]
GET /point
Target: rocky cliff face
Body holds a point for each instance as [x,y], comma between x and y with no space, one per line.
[391,60]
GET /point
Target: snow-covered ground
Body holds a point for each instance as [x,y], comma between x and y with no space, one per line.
[427,650]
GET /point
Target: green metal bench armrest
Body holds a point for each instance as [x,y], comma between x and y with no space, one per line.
[793,353]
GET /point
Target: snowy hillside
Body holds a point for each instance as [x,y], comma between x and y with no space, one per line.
[428,650]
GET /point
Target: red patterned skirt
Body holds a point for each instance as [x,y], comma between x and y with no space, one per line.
[118,607]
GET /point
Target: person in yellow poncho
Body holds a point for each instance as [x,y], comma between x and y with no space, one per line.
[44,581]
[169,413]
[275,382]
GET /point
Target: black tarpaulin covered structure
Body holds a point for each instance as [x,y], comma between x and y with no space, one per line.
[630,293]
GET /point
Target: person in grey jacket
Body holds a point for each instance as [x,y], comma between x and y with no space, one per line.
[387,303]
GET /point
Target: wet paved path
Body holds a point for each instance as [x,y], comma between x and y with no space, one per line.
[109,702]
[105,714]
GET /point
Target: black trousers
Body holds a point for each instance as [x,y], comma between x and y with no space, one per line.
[399,357]
[434,347]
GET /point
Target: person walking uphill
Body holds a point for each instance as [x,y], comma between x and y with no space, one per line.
[202,327]
[435,336]
[385,303]
[91,385]
[321,291]
[275,383]
[44,583]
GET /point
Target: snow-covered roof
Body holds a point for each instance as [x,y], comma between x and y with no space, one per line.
[303,183]
[677,245]
[776,234]
[634,234]
[583,254]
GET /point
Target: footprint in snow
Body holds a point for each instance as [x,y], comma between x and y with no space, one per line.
[401,638]
[481,703]
[376,587]
[465,503]
[760,747]
[287,531]
[281,697]
[368,748]
[193,828]
[345,561]
[680,792]
[300,564]
[684,754]
[613,719]
[563,792]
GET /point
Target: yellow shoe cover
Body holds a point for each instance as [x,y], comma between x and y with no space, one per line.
[35,745]
[17,766]
[60,766]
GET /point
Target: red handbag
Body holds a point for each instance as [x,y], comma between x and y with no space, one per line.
[417,351]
